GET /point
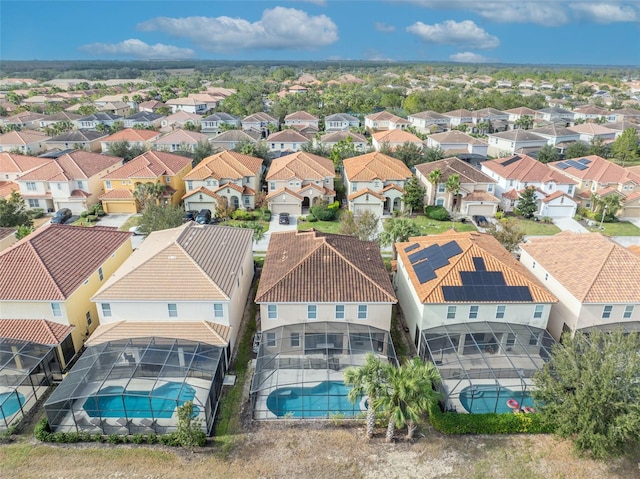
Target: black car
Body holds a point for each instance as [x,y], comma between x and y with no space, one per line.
[189,216]
[480,221]
[283,218]
[203,217]
[61,216]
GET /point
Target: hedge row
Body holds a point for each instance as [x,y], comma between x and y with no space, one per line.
[454,423]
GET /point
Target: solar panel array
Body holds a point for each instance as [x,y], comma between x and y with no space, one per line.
[487,293]
[584,161]
[411,247]
[478,263]
[426,261]
[562,166]
[510,160]
[577,165]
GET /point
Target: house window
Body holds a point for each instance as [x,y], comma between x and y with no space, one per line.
[80,185]
[606,312]
[473,312]
[100,273]
[339,311]
[246,200]
[56,309]
[534,340]
[570,190]
[282,146]
[272,311]
[31,185]
[189,185]
[490,188]
[500,312]
[440,202]
[107,184]
[88,316]
[537,312]
[247,179]
[168,179]
[511,339]
[34,203]
[441,188]
[295,340]
[272,185]
[628,311]
[451,312]
[362,311]
[312,311]
[106,310]
[217,310]
[271,340]
[173,310]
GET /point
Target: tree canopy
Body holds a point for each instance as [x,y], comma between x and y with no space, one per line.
[413,196]
[13,211]
[156,217]
[625,147]
[364,226]
[527,205]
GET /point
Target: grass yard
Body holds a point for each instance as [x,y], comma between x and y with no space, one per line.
[535,228]
[131,222]
[324,226]
[620,228]
[264,224]
[432,227]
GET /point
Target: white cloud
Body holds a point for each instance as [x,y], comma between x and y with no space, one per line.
[384,27]
[376,56]
[279,28]
[134,48]
[604,12]
[321,3]
[450,32]
[470,57]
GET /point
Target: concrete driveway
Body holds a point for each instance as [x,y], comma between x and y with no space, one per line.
[569,224]
[274,227]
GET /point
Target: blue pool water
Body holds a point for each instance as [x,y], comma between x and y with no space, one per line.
[10,403]
[328,397]
[484,399]
[159,403]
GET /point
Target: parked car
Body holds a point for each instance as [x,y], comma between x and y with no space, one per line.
[189,215]
[203,217]
[62,215]
[136,230]
[283,218]
[480,221]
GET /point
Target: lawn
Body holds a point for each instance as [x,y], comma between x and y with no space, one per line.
[324,226]
[264,224]
[132,221]
[619,228]
[432,227]
[535,228]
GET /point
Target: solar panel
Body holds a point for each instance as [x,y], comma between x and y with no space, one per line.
[479,263]
[486,293]
[411,247]
[451,249]
[510,160]
[576,165]
[436,257]
[424,272]
[418,255]
[584,161]
[562,166]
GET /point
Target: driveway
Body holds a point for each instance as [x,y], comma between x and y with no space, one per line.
[275,226]
[569,224]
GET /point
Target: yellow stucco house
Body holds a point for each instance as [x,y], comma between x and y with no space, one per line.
[150,167]
[52,274]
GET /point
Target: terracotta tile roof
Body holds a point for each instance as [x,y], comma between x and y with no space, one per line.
[226,164]
[132,134]
[10,163]
[301,115]
[591,129]
[182,116]
[177,137]
[480,195]
[365,191]
[455,166]
[151,164]
[76,165]
[233,186]
[279,191]
[554,195]
[600,170]
[200,331]
[38,331]
[396,136]
[5,231]
[337,136]
[593,268]
[204,190]
[287,136]
[117,194]
[461,113]
[375,165]
[8,187]
[392,186]
[348,270]
[209,257]
[458,137]
[22,138]
[473,245]
[260,117]
[313,186]
[632,197]
[51,263]
[305,166]
[382,116]
[518,135]
[634,248]
[526,169]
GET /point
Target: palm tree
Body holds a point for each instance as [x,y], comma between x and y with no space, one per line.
[149,193]
[525,122]
[366,380]
[417,405]
[453,187]
[435,177]
[397,230]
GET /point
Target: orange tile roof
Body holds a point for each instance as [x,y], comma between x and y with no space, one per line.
[132,134]
[480,195]
[373,166]
[526,169]
[78,164]
[22,137]
[226,164]
[177,137]
[202,189]
[365,191]
[593,268]
[287,136]
[473,244]
[38,331]
[600,170]
[8,187]
[151,164]
[275,193]
[51,263]
[11,163]
[455,166]
[634,248]
[233,186]
[396,136]
[117,194]
[348,269]
[302,165]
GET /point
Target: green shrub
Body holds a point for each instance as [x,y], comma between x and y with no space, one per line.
[324,211]
[37,213]
[438,213]
[266,215]
[97,437]
[84,214]
[137,438]
[169,440]
[116,439]
[244,215]
[92,218]
[42,432]
[499,215]
[312,219]
[100,212]
[151,438]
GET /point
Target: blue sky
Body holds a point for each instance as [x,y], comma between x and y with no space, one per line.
[504,31]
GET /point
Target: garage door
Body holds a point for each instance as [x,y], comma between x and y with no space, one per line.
[200,205]
[559,211]
[631,211]
[481,210]
[375,209]
[291,208]
[119,207]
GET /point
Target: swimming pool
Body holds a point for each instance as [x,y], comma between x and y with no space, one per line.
[484,399]
[322,400]
[10,403]
[158,403]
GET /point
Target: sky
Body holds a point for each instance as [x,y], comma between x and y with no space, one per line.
[476,31]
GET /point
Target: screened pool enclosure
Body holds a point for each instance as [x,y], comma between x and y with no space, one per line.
[486,366]
[136,385]
[300,369]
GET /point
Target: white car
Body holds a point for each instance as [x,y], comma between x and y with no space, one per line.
[136,230]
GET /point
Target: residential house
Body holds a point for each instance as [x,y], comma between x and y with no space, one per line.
[52,274]
[286,141]
[627,114]
[620,126]
[428,121]
[592,113]
[476,194]
[516,113]
[217,122]
[477,314]
[143,119]
[229,175]
[594,278]
[158,167]
[262,122]
[459,117]
[497,118]
[230,139]
[340,122]
[121,102]
[557,135]
[555,114]
[25,120]
[182,120]
[596,175]
[13,165]
[300,119]
[26,142]
[119,108]
[72,180]
[179,140]
[133,136]
[78,140]
[328,140]
[150,106]
[513,141]
[61,117]
[210,100]
[554,191]
[393,139]
[385,121]
[101,118]
[454,142]
[188,105]
[312,333]
[297,181]
[589,131]
[375,182]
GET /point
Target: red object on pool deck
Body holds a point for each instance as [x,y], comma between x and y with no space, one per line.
[513,404]
[528,409]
